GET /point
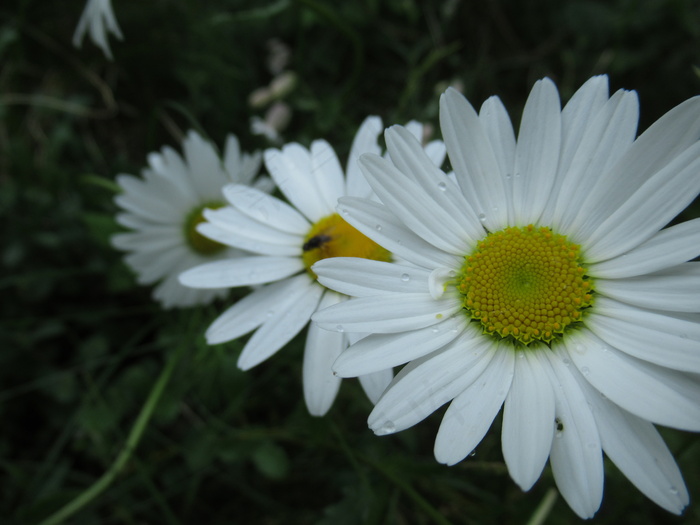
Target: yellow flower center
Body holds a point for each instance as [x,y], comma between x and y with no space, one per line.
[198,242]
[526,284]
[333,237]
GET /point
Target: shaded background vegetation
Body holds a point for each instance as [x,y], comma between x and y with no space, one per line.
[81,345]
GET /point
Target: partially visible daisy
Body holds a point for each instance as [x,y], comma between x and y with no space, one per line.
[542,282]
[164,207]
[288,240]
[97,19]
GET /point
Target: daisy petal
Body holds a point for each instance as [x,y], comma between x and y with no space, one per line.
[651,207]
[410,158]
[638,451]
[266,209]
[388,313]
[674,289]
[499,130]
[282,326]
[528,413]
[322,348]
[426,384]
[537,152]
[327,173]
[365,141]
[242,242]
[381,351]
[290,170]
[383,227]
[415,208]
[669,247]
[656,344]
[254,309]
[364,277]
[244,271]
[659,395]
[239,224]
[576,456]
[471,413]
[473,159]
[375,384]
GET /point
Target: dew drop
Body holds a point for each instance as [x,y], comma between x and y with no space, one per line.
[586,371]
[378,227]
[472,454]
[435,329]
[566,361]
[442,186]
[387,428]
[579,348]
[345,211]
[521,355]
[405,277]
[508,176]
[482,217]
[339,328]
[673,490]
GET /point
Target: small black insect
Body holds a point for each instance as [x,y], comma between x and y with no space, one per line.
[560,425]
[316,242]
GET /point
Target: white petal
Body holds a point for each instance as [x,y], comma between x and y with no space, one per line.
[662,396]
[381,351]
[426,384]
[383,227]
[365,141]
[537,152]
[233,221]
[605,140]
[651,207]
[282,326]
[327,173]
[375,383]
[655,344]
[388,313]
[364,277]
[415,208]
[471,413]
[153,239]
[499,130]
[242,242]
[527,432]
[266,209]
[473,160]
[139,199]
[205,165]
[291,171]
[658,146]
[669,247]
[410,158]
[244,271]
[638,451]
[254,309]
[576,456]
[674,289]
[321,349]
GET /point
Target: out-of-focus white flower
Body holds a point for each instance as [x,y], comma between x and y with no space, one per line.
[97,18]
[276,120]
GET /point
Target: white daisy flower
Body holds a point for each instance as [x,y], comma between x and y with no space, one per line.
[543,283]
[97,19]
[288,240]
[164,208]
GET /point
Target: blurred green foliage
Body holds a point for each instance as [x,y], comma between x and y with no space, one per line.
[82,345]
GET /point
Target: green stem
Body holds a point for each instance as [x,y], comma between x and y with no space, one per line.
[544,508]
[132,442]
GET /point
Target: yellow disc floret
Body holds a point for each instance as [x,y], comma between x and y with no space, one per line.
[333,237]
[198,242]
[525,284]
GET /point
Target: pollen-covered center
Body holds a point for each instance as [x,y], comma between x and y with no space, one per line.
[198,242]
[525,283]
[333,237]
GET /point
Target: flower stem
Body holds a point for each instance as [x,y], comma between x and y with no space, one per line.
[544,508]
[130,445]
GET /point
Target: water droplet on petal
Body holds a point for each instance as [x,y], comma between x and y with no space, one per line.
[472,453]
[673,490]
[339,328]
[508,176]
[405,277]
[387,428]
[586,371]
[482,217]
[566,361]
[345,211]
[378,227]
[579,348]
[435,329]
[442,186]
